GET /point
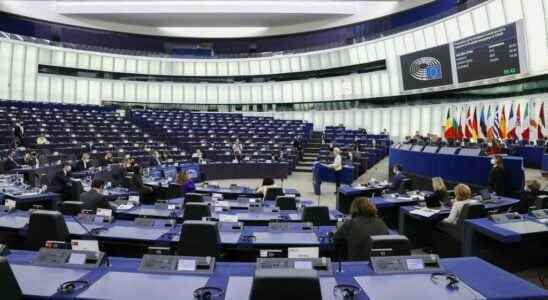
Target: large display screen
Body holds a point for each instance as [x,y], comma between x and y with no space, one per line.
[427,68]
[493,53]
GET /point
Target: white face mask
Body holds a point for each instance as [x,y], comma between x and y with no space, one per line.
[493,161]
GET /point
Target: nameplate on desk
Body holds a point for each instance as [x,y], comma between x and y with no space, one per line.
[85,245]
[186,265]
[303,252]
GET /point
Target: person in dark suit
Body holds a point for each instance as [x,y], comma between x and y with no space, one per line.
[83,164]
[155,160]
[107,160]
[136,184]
[496,177]
[529,196]
[61,180]
[440,191]
[94,198]
[11,163]
[354,233]
[397,179]
[18,133]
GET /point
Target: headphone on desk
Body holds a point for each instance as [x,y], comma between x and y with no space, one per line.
[71,287]
[207,293]
[451,279]
[345,291]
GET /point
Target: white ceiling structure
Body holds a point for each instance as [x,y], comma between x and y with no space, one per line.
[208,18]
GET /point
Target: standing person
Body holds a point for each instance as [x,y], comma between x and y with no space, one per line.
[155,161]
[18,133]
[337,167]
[237,148]
[496,177]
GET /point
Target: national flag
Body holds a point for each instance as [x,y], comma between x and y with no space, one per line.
[468,125]
[450,131]
[518,122]
[483,125]
[541,125]
[511,123]
[526,132]
[503,129]
[495,128]
[475,130]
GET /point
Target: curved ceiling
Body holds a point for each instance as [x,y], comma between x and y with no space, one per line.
[208,18]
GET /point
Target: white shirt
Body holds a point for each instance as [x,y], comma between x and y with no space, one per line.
[264,188]
[456,210]
[337,163]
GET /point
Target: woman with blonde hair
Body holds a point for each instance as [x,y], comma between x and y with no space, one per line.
[440,191]
[463,196]
[184,179]
[355,232]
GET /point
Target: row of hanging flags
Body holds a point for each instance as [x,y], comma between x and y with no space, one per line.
[492,122]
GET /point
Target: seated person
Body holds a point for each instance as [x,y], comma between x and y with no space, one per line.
[10,162]
[440,191]
[185,180]
[463,196]
[493,147]
[107,160]
[42,140]
[155,161]
[529,196]
[83,164]
[61,180]
[136,184]
[31,159]
[198,155]
[267,183]
[397,179]
[497,176]
[94,198]
[355,232]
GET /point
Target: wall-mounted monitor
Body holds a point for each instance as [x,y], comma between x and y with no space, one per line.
[494,53]
[426,68]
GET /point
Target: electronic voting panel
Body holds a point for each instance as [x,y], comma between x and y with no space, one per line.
[494,53]
[406,264]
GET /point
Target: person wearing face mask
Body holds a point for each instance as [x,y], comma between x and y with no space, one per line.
[496,177]
[493,148]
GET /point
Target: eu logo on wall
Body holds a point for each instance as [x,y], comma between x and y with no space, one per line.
[426,68]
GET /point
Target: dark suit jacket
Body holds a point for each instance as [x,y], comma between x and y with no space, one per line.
[93,200]
[440,196]
[527,200]
[355,233]
[59,182]
[155,162]
[10,164]
[396,181]
[17,132]
[496,181]
[79,166]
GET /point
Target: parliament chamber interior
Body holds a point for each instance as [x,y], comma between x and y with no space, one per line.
[269,150]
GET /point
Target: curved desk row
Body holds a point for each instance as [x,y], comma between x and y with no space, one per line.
[123,280]
[473,170]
